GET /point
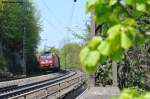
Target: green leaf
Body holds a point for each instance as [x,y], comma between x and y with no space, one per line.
[90,4]
[142,81]
[116,42]
[140,39]
[115,28]
[129,94]
[112,2]
[141,7]
[92,59]
[105,48]
[137,13]
[113,19]
[102,59]
[132,31]
[147,95]
[83,54]
[129,21]
[101,13]
[148,1]
[117,55]
[126,42]
[125,96]
[114,31]
[129,2]
[89,69]
[94,42]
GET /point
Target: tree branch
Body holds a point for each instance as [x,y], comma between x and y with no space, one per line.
[125,9]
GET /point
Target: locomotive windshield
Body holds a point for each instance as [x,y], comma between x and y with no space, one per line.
[46,57]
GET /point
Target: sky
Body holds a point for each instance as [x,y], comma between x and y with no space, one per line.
[59,19]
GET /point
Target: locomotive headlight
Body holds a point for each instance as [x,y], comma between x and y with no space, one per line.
[42,62]
[50,61]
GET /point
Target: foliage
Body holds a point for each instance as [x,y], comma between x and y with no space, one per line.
[69,56]
[2,62]
[55,50]
[103,74]
[14,18]
[119,20]
[133,93]
[86,36]
[134,69]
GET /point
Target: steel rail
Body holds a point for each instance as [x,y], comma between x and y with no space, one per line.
[56,90]
[34,86]
[15,87]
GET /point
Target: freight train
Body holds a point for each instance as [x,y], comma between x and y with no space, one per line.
[49,61]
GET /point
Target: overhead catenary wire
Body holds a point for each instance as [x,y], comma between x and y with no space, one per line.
[72,14]
[70,20]
[53,14]
[69,24]
[57,20]
[52,25]
[56,28]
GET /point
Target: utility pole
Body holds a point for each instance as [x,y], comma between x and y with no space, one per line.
[114,74]
[24,37]
[65,53]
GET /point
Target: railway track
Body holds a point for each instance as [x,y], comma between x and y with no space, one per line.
[6,85]
[29,90]
[2,79]
[16,87]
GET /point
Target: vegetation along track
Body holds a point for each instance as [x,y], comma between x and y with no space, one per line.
[29,87]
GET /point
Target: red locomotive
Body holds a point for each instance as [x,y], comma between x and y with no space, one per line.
[49,61]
